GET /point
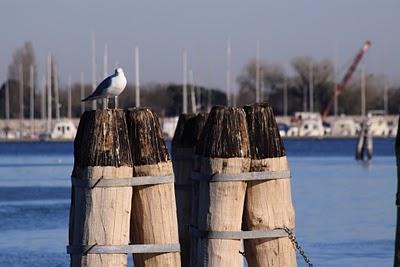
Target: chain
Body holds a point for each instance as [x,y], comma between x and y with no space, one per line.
[293,239]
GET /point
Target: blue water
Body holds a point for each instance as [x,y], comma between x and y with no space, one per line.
[345,210]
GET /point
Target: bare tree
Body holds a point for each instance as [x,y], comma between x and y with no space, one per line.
[272,76]
[23,57]
[322,72]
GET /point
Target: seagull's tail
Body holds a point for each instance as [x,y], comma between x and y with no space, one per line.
[91,97]
[86,99]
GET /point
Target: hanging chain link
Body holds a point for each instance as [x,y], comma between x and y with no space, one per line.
[293,239]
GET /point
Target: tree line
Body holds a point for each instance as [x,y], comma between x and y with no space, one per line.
[166,99]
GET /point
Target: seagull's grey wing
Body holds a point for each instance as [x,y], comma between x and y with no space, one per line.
[101,89]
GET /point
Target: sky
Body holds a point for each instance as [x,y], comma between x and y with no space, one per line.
[161,29]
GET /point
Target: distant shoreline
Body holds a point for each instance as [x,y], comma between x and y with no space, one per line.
[169,139]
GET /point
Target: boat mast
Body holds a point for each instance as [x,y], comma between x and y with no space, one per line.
[311,85]
[184,89]
[192,94]
[335,78]
[82,93]
[56,92]
[105,62]
[285,97]
[258,72]
[137,81]
[32,98]
[228,73]
[7,99]
[69,98]
[43,99]
[94,103]
[363,106]
[49,108]
[261,85]
[21,92]
[385,96]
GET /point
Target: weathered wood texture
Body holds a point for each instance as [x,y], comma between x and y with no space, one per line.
[154,219]
[185,139]
[177,138]
[224,148]
[101,215]
[268,204]
[397,241]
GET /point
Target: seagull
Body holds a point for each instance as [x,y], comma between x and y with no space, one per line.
[112,86]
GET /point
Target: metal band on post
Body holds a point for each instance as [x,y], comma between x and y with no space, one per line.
[255,234]
[245,176]
[232,177]
[123,249]
[122,182]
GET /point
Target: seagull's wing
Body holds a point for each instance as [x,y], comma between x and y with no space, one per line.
[101,89]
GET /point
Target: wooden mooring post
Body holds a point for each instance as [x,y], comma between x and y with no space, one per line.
[100,215]
[397,241]
[183,145]
[222,148]
[268,203]
[154,219]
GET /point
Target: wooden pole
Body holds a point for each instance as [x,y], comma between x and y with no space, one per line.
[94,73]
[224,148]
[32,98]
[49,95]
[69,97]
[100,216]
[154,219]
[397,241]
[7,99]
[43,99]
[185,139]
[268,203]
[137,80]
[192,93]
[184,83]
[56,92]
[228,73]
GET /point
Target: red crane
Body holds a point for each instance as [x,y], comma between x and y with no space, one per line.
[346,78]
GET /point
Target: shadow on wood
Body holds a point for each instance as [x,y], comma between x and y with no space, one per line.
[185,139]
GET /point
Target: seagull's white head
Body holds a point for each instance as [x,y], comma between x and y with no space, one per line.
[119,71]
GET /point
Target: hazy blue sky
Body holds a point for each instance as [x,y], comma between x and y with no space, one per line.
[161,29]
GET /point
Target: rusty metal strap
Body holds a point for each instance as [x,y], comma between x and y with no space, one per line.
[123,249]
[122,182]
[245,176]
[237,235]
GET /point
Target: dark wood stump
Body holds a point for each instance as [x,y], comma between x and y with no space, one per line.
[101,149]
[185,139]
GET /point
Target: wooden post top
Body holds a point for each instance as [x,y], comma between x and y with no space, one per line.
[265,140]
[224,134]
[177,139]
[146,137]
[102,140]
[192,130]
